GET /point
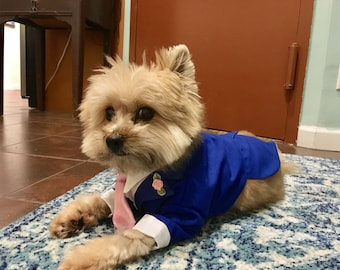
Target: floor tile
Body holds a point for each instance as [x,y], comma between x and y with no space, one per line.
[58,184]
[292,149]
[13,119]
[77,133]
[53,117]
[11,210]
[19,171]
[52,146]
[14,134]
[42,128]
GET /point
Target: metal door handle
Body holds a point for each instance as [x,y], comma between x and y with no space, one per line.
[292,62]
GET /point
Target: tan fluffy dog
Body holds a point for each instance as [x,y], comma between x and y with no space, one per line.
[147,120]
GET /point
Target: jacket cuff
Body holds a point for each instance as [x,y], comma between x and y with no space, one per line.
[153,227]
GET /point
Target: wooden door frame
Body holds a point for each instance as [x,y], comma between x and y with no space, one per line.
[295,99]
[294,96]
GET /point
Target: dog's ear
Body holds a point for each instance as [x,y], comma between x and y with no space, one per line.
[177,59]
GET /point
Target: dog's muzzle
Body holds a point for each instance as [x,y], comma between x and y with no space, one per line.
[115,144]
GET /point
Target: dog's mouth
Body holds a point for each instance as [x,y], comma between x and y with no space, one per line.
[120,153]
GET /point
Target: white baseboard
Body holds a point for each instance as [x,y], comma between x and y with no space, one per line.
[319,138]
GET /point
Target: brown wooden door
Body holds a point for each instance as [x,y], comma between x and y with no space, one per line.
[240,49]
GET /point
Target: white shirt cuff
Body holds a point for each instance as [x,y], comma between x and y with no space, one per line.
[108,197]
[154,228]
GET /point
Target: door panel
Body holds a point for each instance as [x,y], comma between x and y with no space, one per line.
[240,50]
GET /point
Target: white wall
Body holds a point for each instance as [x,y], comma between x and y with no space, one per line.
[320,115]
[12,58]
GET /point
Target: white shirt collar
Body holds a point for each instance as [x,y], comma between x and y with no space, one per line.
[134,179]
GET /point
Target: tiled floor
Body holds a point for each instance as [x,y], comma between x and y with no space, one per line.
[40,157]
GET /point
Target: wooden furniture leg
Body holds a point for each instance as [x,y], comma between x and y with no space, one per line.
[39,53]
[1,69]
[73,13]
[78,29]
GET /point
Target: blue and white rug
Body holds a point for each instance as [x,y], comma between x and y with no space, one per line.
[301,232]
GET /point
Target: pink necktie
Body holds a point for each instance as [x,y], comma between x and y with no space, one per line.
[122,216]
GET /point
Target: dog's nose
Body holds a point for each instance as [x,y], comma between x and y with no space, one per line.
[115,143]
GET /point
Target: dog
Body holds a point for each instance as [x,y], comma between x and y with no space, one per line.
[146,122]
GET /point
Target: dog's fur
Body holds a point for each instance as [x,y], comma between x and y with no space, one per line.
[120,101]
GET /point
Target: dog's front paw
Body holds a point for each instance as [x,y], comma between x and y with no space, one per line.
[80,214]
[108,252]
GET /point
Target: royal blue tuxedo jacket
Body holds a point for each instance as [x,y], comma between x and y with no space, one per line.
[207,184]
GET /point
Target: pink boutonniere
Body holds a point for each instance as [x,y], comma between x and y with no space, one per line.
[158,184]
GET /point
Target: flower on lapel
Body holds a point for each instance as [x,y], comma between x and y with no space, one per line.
[158,185]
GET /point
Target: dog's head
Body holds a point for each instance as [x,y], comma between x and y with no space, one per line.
[142,117]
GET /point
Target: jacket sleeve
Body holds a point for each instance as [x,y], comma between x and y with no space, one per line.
[182,223]
[171,225]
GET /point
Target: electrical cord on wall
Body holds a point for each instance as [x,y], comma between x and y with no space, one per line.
[59,62]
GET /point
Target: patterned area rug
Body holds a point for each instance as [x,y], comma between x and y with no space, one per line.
[301,232]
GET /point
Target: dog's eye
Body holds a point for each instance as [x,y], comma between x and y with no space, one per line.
[110,113]
[145,114]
